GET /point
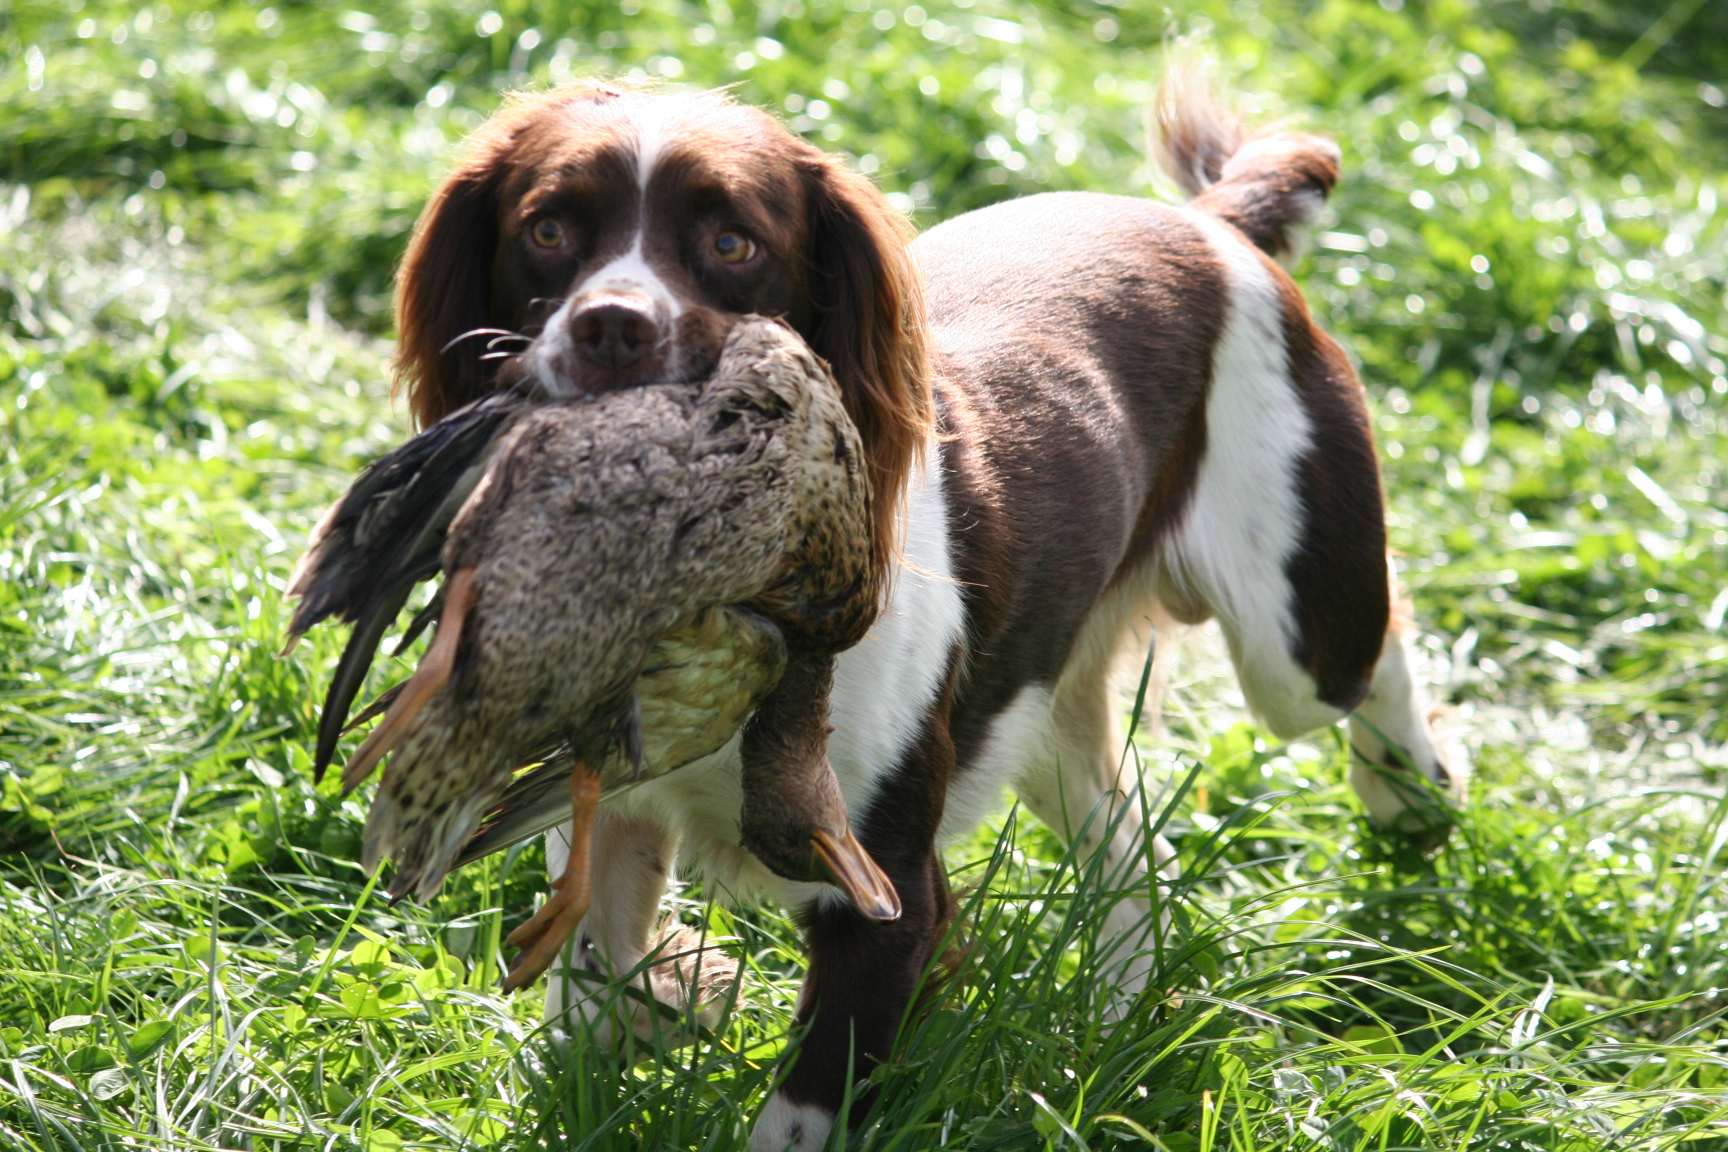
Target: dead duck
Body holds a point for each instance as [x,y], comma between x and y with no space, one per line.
[628,579]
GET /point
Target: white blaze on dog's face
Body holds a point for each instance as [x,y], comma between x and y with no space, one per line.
[628,243]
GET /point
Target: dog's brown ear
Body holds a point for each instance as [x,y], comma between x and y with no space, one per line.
[444,291]
[868,322]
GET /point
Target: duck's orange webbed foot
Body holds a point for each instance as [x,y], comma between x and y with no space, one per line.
[548,930]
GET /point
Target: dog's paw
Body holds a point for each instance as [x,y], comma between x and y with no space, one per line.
[785,1126]
[683,983]
[692,975]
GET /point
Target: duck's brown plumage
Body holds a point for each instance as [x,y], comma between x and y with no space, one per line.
[627,577]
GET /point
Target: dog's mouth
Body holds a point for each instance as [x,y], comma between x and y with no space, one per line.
[617,344]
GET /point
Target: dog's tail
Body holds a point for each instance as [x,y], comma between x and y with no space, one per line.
[1271,185]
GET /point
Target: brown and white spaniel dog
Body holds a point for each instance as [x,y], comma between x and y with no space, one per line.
[1080,411]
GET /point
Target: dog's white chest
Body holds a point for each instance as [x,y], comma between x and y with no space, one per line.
[884,687]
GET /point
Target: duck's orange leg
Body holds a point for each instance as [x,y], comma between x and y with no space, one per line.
[547,931]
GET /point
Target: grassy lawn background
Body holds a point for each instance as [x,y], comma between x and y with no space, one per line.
[200,210]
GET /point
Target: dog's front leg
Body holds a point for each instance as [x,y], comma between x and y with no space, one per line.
[864,973]
[632,861]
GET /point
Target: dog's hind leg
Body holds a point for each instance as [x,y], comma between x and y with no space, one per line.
[1284,538]
[1077,777]
[1390,734]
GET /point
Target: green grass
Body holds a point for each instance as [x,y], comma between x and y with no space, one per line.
[200,208]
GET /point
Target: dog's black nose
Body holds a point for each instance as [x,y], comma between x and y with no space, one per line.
[614,332]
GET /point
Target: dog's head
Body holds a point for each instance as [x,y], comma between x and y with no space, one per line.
[620,234]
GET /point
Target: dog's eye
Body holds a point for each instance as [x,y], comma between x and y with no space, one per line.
[733,247]
[546,232]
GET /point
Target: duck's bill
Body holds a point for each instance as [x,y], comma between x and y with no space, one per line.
[851,868]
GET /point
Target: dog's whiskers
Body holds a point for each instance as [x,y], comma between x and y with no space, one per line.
[496,334]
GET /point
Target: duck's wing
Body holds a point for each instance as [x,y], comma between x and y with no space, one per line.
[384,536]
[378,530]
[536,800]
[697,687]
